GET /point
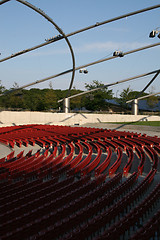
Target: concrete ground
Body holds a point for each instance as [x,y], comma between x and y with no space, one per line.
[4,150]
[149,130]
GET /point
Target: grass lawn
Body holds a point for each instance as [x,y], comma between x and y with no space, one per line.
[144,123]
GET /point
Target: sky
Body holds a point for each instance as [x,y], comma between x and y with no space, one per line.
[22,28]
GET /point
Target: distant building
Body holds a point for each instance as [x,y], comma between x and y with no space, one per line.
[142,105]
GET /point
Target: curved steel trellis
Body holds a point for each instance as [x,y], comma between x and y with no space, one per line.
[78,31]
[66,38]
[3,1]
[42,13]
[82,66]
[115,83]
[38,10]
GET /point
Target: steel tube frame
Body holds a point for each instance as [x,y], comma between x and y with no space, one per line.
[38,10]
[112,84]
[135,107]
[155,76]
[135,102]
[66,105]
[73,33]
[82,66]
[3,1]
[80,30]
[59,30]
[149,95]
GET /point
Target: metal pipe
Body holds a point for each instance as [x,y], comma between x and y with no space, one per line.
[155,76]
[115,19]
[135,107]
[3,1]
[149,95]
[83,66]
[80,30]
[112,84]
[66,105]
[139,95]
[38,10]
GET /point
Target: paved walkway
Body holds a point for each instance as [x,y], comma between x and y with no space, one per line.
[149,130]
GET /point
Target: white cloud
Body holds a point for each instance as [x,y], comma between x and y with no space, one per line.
[109,46]
[92,47]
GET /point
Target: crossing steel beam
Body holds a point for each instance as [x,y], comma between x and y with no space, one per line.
[78,31]
[82,66]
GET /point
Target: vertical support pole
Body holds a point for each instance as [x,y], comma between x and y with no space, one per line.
[66,105]
[135,107]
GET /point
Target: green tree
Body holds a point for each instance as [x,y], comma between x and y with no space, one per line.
[125,95]
[34,100]
[128,94]
[50,99]
[152,100]
[96,101]
[77,101]
[2,98]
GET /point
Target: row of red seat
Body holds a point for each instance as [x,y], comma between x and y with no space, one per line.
[37,206]
[88,229]
[149,230]
[132,218]
[98,214]
[62,165]
[62,191]
[130,161]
